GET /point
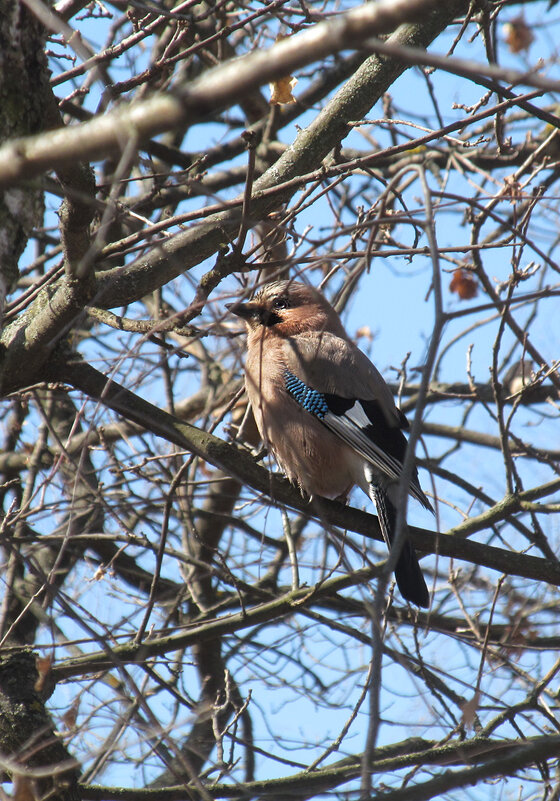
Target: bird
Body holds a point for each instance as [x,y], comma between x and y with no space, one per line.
[324,410]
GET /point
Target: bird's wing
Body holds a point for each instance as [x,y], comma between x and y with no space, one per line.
[361,425]
[335,382]
[330,363]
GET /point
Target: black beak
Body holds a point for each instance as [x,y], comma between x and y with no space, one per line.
[244,310]
[254,314]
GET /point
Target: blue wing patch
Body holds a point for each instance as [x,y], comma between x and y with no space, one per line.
[311,400]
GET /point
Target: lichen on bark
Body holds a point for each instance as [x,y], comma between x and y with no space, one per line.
[27,734]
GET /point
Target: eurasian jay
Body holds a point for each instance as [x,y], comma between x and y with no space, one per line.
[324,410]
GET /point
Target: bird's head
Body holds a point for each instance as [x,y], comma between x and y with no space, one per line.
[286,308]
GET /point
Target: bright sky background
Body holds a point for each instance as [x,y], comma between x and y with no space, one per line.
[392,302]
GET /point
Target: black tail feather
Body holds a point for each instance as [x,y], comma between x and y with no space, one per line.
[408,575]
[410,579]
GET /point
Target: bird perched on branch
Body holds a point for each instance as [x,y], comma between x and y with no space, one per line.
[324,410]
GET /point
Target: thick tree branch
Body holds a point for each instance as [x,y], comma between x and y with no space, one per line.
[27,734]
[225,85]
[240,464]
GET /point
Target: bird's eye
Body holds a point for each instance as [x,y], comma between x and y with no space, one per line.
[280,303]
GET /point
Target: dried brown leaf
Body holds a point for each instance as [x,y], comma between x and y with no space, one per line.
[71,715]
[512,189]
[43,665]
[518,35]
[281,91]
[464,284]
